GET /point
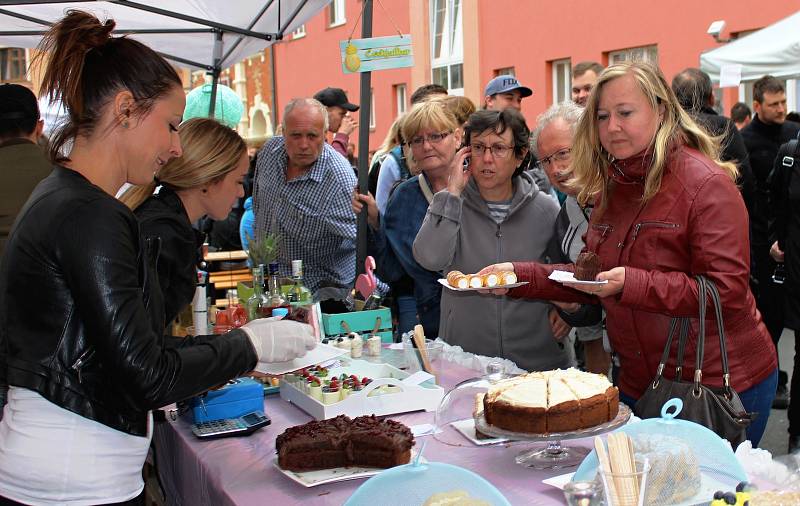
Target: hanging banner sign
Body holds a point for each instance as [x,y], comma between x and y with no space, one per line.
[378,53]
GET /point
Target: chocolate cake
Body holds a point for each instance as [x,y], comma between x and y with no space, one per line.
[587,266]
[364,441]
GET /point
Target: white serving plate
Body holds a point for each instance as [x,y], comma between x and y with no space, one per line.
[333,475]
[412,397]
[467,429]
[321,353]
[445,284]
[569,277]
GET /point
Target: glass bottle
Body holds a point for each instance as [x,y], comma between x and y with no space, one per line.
[298,293]
[275,297]
[258,299]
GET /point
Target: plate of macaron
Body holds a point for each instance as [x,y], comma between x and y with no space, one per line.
[460,282]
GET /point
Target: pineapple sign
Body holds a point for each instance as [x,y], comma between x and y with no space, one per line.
[377,53]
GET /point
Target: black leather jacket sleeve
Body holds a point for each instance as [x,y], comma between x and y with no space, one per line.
[102,265]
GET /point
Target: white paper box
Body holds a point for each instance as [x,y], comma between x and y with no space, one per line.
[413,397]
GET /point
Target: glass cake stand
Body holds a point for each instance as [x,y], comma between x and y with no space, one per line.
[554,455]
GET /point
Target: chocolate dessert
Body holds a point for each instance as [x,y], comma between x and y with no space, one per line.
[587,267]
[339,442]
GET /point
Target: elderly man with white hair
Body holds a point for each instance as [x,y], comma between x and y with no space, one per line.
[302,192]
[551,142]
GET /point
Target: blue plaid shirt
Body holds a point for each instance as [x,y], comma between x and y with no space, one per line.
[311,215]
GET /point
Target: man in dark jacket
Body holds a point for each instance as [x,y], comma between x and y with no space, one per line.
[692,86]
[22,162]
[762,137]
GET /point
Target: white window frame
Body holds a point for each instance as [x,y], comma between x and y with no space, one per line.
[372,118]
[451,53]
[563,69]
[401,98]
[647,54]
[506,71]
[299,32]
[336,14]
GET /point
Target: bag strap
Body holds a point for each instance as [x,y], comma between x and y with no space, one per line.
[726,375]
[705,285]
[684,336]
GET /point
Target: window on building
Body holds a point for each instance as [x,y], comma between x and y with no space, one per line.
[562,80]
[299,32]
[508,71]
[336,13]
[372,122]
[13,64]
[645,53]
[447,45]
[400,98]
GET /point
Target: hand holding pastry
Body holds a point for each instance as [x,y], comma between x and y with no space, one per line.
[615,278]
[500,269]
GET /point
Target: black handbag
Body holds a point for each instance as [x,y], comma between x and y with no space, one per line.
[718,409]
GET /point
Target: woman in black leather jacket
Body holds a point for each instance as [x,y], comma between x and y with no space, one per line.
[81,313]
[205,181]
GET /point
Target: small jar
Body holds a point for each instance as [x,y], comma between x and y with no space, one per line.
[374,346]
[356,346]
[583,493]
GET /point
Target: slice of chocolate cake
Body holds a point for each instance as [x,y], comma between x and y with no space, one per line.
[315,445]
[379,443]
[587,266]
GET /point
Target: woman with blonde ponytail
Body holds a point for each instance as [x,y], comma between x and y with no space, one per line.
[666,210]
[205,181]
[82,350]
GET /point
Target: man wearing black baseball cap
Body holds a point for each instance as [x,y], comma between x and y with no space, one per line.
[22,161]
[505,91]
[339,121]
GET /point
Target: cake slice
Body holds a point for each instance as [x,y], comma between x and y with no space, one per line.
[315,445]
[563,412]
[376,442]
[522,407]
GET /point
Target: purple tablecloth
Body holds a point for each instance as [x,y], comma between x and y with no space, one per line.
[240,471]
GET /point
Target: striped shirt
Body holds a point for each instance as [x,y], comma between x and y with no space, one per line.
[311,216]
[499,210]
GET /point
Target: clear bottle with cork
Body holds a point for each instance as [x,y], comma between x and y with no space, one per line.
[299,294]
[258,299]
[275,297]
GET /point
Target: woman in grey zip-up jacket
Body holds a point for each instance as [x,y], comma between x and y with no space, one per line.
[490,213]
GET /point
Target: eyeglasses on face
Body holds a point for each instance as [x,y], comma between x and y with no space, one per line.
[431,138]
[559,156]
[497,150]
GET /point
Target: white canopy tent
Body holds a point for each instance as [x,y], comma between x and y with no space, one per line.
[204,34]
[773,50]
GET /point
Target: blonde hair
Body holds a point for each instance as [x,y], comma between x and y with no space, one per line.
[210,151]
[591,161]
[429,114]
[461,107]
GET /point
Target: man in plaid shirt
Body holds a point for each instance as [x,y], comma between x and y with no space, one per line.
[302,195]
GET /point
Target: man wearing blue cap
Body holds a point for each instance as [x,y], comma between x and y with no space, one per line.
[503,92]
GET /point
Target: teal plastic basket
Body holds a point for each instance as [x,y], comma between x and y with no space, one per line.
[414,483]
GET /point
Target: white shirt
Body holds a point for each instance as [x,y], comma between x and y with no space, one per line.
[52,456]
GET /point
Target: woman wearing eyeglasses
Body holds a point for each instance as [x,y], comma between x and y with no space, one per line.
[492,211]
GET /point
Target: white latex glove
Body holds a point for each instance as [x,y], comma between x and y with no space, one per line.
[279,340]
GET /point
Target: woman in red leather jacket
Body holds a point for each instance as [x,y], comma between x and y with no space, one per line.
[666,210]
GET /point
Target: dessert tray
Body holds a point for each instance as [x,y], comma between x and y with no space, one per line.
[389,391]
[444,283]
[335,474]
[621,419]
[569,277]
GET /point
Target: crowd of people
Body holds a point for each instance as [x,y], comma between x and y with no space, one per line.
[645,174]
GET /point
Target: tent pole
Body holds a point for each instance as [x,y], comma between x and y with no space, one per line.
[212,104]
[363,141]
